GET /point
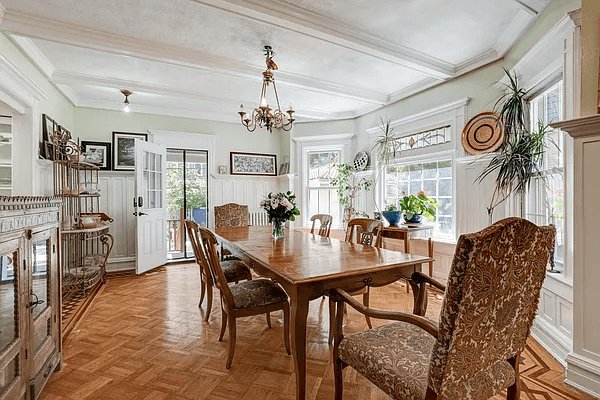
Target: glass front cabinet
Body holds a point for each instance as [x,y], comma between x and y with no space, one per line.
[30,344]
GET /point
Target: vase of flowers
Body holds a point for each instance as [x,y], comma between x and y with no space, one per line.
[414,208]
[280,207]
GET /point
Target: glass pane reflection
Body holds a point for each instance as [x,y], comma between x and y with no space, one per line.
[8,299]
[40,281]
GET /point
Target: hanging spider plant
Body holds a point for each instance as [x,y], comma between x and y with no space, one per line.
[521,154]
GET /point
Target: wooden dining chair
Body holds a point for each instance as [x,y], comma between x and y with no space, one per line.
[230,215]
[325,221]
[234,270]
[473,352]
[244,299]
[365,231]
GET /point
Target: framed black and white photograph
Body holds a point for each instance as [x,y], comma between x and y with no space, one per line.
[284,169]
[47,128]
[97,153]
[253,164]
[124,150]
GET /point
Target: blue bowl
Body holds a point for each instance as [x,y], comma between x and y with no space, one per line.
[393,217]
[416,218]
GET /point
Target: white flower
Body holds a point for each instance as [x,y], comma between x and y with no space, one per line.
[274,202]
[263,203]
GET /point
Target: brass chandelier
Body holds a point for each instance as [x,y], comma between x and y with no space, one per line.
[264,116]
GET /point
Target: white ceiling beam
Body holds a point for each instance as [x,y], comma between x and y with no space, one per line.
[533,7]
[60,32]
[293,18]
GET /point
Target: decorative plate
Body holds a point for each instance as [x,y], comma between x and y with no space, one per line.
[483,133]
[361,160]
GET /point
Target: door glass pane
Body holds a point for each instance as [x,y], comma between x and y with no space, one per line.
[40,335]
[40,289]
[8,299]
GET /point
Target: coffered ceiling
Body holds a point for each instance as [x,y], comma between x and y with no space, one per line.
[202,58]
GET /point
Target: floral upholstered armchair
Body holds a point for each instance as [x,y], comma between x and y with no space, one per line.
[473,353]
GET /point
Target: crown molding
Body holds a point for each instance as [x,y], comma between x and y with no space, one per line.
[427,114]
[413,89]
[288,16]
[34,54]
[478,61]
[2,11]
[532,7]
[513,32]
[70,94]
[319,138]
[79,36]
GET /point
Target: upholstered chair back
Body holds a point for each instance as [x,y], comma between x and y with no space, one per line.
[366,231]
[231,214]
[490,302]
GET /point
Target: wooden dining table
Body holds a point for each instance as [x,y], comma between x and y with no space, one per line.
[308,266]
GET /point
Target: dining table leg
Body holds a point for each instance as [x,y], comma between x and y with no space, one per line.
[299,313]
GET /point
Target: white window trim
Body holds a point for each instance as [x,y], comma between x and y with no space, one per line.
[308,144]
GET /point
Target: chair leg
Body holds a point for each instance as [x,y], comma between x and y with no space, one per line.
[366,304]
[331,320]
[269,320]
[232,333]
[338,364]
[209,300]
[223,324]
[514,392]
[286,328]
[202,291]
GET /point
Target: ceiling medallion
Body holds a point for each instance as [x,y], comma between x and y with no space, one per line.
[264,116]
[126,93]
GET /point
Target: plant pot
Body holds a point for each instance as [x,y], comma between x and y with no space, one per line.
[416,218]
[393,217]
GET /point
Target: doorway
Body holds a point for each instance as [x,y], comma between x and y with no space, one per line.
[187,198]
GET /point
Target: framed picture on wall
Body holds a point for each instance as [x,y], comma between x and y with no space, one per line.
[47,128]
[123,144]
[253,164]
[284,169]
[97,153]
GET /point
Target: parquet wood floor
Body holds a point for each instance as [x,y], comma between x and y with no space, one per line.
[143,338]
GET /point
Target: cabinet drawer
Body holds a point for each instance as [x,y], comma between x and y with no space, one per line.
[37,383]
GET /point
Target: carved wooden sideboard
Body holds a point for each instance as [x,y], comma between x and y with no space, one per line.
[30,300]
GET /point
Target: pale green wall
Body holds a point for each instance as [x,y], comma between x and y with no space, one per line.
[478,85]
[56,106]
[93,124]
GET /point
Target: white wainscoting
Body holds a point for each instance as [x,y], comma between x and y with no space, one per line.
[117,190]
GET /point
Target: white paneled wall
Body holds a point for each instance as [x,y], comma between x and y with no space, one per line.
[117,189]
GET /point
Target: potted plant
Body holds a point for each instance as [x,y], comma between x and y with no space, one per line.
[522,150]
[414,208]
[391,214]
[348,186]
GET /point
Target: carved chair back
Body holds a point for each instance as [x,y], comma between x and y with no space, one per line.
[192,230]
[209,246]
[368,231]
[325,220]
[490,302]
[231,214]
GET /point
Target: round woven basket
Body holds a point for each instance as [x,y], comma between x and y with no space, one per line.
[483,133]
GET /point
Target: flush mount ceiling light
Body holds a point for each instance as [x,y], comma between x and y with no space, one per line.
[126,93]
[264,116]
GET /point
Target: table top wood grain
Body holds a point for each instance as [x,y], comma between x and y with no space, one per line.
[303,257]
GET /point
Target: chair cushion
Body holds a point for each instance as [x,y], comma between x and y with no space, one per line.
[256,293]
[235,270]
[396,358]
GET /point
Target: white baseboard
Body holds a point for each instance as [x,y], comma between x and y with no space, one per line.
[120,264]
[583,374]
[552,340]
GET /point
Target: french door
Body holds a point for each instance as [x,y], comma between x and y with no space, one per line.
[150,205]
[187,197]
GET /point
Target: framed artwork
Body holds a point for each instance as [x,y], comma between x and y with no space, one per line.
[124,149]
[284,169]
[49,148]
[97,153]
[222,169]
[47,128]
[253,164]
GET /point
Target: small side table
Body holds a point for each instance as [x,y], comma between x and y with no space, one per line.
[407,233]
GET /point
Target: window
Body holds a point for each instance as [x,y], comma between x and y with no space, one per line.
[322,196]
[434,178]
[545,199]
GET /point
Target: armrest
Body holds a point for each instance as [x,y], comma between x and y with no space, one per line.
[419,277]
[338,295]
